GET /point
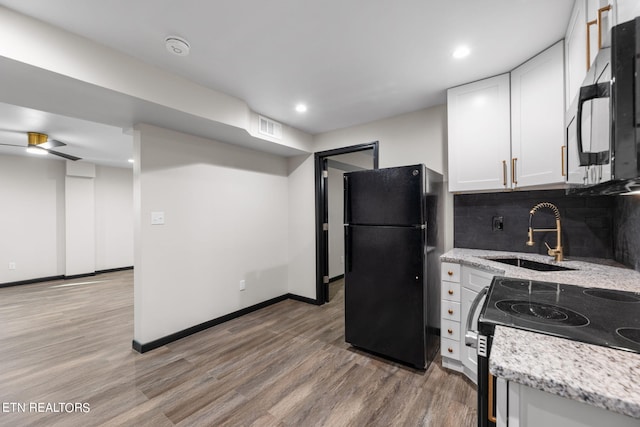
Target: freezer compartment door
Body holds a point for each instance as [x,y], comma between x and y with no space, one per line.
[391,196]
[385,306]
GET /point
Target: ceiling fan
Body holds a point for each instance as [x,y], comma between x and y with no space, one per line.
[39,143]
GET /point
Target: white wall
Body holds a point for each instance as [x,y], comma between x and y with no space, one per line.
[33,217]
[338,165]
[302,238]
[417,137]
[80,225]
[80,218]
[335,197]
[114,218]
[226,215]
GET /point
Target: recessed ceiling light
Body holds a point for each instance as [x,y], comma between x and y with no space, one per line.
[301,108]
[177,45]
[461,52]
[130,160]
[36,150]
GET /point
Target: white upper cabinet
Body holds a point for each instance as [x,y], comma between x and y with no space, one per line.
[537,119]
[507,131]
[479,135]
[576,47]
[625,10]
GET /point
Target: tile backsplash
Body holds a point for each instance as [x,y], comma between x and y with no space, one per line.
[598,227]
[626,223]
[587,222]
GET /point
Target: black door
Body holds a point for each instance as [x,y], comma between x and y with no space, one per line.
[384,293]
[325,230]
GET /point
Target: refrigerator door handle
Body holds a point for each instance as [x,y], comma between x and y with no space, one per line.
[471,336]
[347,201]
[348,248]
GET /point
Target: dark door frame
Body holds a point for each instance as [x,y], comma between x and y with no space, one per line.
[322,213]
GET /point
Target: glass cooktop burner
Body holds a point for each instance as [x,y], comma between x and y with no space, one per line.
[632,334]
[542,313]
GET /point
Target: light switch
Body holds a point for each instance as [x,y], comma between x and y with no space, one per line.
[157,218]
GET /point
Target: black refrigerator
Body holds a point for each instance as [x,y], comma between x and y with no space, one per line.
[391,243]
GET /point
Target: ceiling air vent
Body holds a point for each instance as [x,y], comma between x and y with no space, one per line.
[269,127]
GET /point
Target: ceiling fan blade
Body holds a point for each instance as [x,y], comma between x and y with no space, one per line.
[13,145]
[52,143]
[66,156]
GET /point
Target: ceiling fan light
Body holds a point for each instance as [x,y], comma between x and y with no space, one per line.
[36,138]
[36,150]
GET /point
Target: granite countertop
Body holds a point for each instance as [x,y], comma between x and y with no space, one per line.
[596,375]
[587,274]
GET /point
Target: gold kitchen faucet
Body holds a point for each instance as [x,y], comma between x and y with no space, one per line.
[557,251]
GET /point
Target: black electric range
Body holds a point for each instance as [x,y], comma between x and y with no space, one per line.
[604,317]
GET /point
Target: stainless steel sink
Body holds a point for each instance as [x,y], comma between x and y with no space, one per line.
[529,264]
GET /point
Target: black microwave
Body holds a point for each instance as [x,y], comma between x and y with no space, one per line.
[603,136]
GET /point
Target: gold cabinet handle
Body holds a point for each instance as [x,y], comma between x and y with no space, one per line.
[450,350]
[504,173]
[450,331]
[598,22]
[450,291]
[491,414]
[562,151]
[513,170]
[450,273]
[589,24]
[600,12]
[450,311]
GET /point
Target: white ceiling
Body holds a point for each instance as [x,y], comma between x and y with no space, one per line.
[93,142]
[350,61]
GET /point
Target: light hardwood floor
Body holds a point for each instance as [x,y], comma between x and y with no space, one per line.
[284,365]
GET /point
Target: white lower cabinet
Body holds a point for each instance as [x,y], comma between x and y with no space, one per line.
[450,348]
[469,355]
[450,329]
[450,315]
[518,405]
[460,286]
[473,281]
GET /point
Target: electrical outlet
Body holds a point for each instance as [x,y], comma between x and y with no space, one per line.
[12,265]
[243,285]
[497,223]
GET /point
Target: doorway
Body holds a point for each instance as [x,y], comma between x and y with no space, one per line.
[329,167]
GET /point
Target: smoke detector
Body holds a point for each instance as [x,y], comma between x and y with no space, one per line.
[177,46]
